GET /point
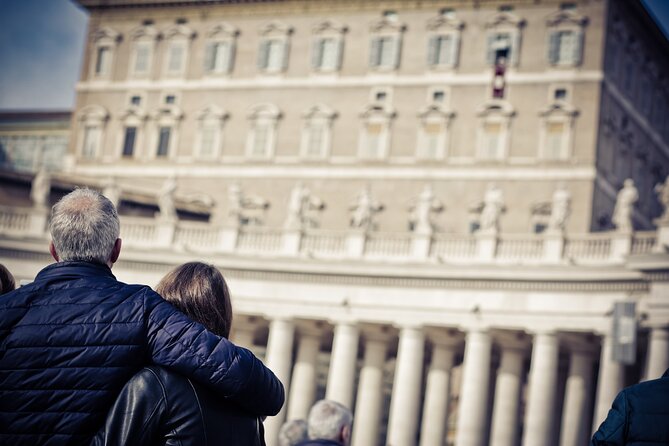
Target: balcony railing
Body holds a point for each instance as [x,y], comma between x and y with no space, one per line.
[143,233]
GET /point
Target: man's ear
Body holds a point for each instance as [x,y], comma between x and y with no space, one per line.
[346,435]
[52,250]
[116,251]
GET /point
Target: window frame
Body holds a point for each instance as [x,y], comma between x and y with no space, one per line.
[274,32]
[318,116]
[268,116]
[103,38]
[221,33]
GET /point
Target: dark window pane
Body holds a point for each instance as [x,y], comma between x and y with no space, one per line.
[163,141]
[129,141]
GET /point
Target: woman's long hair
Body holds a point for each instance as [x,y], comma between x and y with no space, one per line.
[199,290]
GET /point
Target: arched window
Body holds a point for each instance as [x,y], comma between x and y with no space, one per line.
[565,38]
[261,140]
[503,38]
[443,49]
[92,123]
[105,41]
[494,128]
[210,133]
[317,132]
[385,47]
[144,40]
[220,48]
[177,40]
[327,47]
[375,135]
[274,48]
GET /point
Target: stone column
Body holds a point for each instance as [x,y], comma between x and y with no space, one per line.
[341,376]
[435,406]
[657,360]
[577,402]
[471,425]
[279,360]
[506,408]
[540,409]
[609,382]
[369,403]
[405,400]
[303,383]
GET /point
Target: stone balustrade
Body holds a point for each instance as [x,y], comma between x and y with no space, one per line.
[548,248]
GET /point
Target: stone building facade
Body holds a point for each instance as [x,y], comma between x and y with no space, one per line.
[421,207]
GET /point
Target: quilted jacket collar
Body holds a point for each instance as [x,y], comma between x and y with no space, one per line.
[73,270]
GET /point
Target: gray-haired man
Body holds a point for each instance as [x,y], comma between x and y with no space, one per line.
[329,424]
[72,338]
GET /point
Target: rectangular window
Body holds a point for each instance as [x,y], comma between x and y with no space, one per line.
[260,139]
[373,140]
[217,57]
[275,55]
[163,141]
[316,140]
[432,137]
[384,52]
[564,47]
[492,140]
[91,141]
[102,62]
[142,54]
[499,47]
[207,142]
[326,54]
[272,56]
[136,100]
[129,141]
[176,57]
[555,134]
[441,51]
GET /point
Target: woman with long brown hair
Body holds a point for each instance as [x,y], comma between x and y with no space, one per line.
[160,407]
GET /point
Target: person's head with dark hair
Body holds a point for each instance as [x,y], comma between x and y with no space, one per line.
[7,283]
[199,290]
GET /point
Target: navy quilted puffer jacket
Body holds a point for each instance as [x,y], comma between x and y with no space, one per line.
[71,339]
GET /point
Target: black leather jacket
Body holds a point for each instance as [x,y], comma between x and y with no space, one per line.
[159,407]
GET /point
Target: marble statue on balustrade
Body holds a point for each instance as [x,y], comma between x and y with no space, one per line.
[560,210]
[363,211]
[112,191]
[245,209]
[302,205]
[624,208]
[422,210]
[493,207]
[40,189]
[167,209]
[662,191]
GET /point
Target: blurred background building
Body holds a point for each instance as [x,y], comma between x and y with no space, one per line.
[448,215]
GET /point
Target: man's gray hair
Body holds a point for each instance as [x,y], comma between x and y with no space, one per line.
[84,226]
[293,432]
[327,419]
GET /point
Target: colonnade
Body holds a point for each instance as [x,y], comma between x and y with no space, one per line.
[490,407]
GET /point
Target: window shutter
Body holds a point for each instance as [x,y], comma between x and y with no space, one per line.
[455,50]
[316,53]
[285,48]
[263,54]
[397,50]
[578,47]
[340,53]
[432,50]
[210,57]
[229,62]
[515,48]
[490,54]
[375,52]
[553,47]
